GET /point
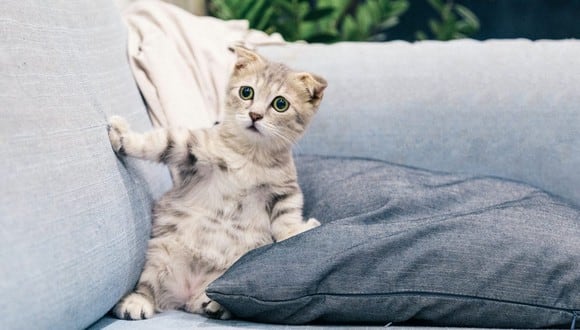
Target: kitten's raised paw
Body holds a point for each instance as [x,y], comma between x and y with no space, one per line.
[118,127]
[134,307]
[215,311]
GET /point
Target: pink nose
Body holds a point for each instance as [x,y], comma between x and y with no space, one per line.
[255,116]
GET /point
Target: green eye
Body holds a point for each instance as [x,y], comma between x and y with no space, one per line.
[280,104]
[246,93]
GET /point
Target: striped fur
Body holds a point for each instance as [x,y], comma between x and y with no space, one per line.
[235,187]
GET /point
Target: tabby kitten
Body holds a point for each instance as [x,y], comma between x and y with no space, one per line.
[235,186]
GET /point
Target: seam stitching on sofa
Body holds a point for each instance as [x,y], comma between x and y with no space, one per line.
[406,293]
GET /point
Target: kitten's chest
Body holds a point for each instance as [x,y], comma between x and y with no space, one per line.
[225,209]
[232,183]
[229,208]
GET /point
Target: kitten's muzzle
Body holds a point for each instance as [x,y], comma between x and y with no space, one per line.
[253,128]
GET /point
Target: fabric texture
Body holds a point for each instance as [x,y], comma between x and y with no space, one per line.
[506,108]
[74,219]
[181,62]
[400,244]
[175,320]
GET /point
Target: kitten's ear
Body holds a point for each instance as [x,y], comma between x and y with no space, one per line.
[245,57]
[315,84]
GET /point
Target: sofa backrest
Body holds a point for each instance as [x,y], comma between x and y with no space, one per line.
[506,108]
[74,220]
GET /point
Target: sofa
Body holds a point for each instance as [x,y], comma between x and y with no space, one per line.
[448,169]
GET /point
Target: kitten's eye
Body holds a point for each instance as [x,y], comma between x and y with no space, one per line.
[280,104]
[246,93]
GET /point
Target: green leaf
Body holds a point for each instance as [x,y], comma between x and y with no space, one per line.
[468,16]
[265,22]
[420,35]
[388,23]
[319,13]
[364,20]
[257,12]
[448,29]
[285,6]
[307,29]
[243,10]
[435,28]
[398,8]
[339,5]
[374,10]
[349,29]
[437,4]
[303,8]
[220,9]
[447,12]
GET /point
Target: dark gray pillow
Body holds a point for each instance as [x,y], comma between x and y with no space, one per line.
[400,244]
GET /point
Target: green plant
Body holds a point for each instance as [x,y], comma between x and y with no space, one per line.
[329,21]
[315,21]
[456,21]
[366,20]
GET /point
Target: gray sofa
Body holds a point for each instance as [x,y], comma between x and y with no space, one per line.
[74,218]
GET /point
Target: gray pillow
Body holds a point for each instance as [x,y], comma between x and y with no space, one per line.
[405,245]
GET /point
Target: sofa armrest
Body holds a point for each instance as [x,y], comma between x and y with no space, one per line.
[503,108]
[75,218]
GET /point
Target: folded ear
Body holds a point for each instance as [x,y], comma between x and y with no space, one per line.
[245,57]
[315,84]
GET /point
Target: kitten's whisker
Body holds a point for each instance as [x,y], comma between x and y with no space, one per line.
[276,131]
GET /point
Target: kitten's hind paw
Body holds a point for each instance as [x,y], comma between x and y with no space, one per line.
[214,310]
[134,306]
[295,228]
[117,128]
[312,223]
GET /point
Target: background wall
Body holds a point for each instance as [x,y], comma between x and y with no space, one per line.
[532,19]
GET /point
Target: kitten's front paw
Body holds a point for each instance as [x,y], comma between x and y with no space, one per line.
[134,307]
[118,127]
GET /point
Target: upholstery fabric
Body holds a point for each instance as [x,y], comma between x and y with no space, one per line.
[74,220]
[400,244]
[506,108]
[176,320]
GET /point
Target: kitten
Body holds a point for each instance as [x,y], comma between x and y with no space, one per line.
[235,186]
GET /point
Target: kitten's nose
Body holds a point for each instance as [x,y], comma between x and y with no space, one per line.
[255,116]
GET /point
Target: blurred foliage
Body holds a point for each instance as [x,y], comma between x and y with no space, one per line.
[328,21]
[315,21]
[456,22]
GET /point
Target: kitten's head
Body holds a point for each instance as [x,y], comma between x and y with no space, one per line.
[267,104]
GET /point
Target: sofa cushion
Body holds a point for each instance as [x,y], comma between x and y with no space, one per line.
[74,220]
[401,244]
